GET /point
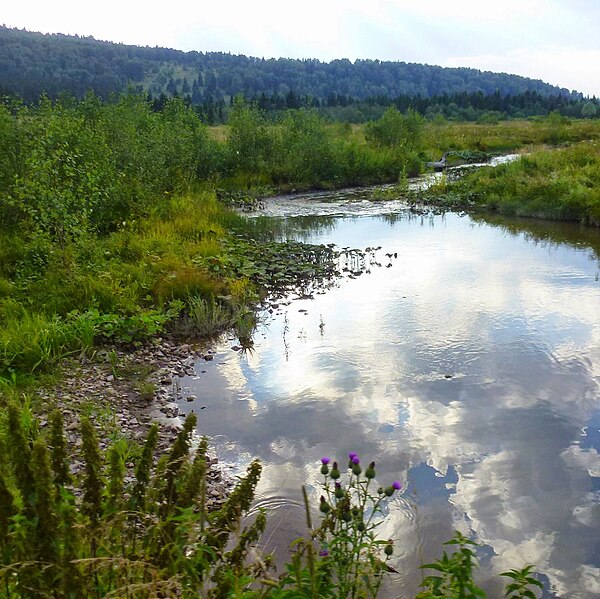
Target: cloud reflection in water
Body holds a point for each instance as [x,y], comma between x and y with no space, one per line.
[470,368]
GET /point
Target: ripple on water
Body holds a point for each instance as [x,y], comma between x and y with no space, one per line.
[516,327]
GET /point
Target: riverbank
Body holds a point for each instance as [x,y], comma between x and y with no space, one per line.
[122,393]
[555,184]
[116,386]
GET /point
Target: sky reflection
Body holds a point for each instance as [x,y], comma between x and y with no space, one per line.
[469,368]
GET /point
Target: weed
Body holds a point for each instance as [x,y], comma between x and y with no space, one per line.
[208,317]
[522,583]
[147,390]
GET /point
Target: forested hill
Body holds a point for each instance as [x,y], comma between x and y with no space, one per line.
[31,63]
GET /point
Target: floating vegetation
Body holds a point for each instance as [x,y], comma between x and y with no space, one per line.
[290,267]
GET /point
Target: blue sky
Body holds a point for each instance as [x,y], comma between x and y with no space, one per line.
[553,40]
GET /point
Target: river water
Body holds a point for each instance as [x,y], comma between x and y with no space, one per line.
[466,363]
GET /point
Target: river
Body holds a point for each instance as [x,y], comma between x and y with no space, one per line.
[466,363]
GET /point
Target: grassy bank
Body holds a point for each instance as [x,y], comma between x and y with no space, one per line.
[559,184]
[110,231]
[441,136]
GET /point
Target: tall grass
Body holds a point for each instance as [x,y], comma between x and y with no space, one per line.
[32,341]
[208,317]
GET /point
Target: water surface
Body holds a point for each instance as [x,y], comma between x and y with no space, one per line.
[468,367]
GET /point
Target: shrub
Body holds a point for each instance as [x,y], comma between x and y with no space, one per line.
[148,538]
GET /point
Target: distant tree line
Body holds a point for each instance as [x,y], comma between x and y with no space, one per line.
[460,106]
[34,63]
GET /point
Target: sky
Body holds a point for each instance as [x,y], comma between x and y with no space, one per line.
[553,40]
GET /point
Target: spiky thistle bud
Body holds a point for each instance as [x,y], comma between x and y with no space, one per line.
[353,459]
[370,471]
[335,473]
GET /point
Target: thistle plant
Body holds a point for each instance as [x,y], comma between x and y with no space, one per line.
[130,526]
[351,561]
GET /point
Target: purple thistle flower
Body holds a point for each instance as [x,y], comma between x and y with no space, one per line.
[352,455]
[397,485]
[355,460]
[325,461]
[323,553]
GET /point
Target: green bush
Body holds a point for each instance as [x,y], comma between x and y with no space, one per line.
[148,538]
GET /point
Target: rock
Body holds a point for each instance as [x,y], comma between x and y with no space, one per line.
[209,357]
[190,398]
[236,348]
